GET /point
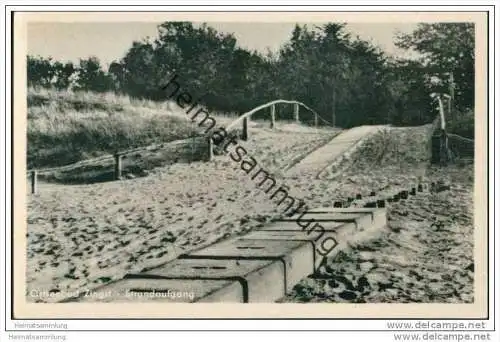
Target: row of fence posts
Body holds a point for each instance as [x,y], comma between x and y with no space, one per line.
[117,173]
[295,116]
[244,134]
[210,153]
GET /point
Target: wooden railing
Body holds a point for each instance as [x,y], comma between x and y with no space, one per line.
[446,150]
[117,157]
[208,140]
[272,105]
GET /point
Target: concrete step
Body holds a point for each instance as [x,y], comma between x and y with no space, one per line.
[378,216]
[296,256]
[325,242]
[330,229]
[361,218]
[261,266]
[261,280]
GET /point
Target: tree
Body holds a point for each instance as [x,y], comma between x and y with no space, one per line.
[447,48]
[341,77]
[40,71]
[64,73]
[347,80]
[410,87]
[91,77]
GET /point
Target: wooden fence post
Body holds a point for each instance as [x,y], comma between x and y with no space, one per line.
[443,148]
[244,136]
[316,120]
[210,149]
[452,91]
[334,102]
[33,181]
[273,115]
[296,112]
[441,113]
[118,166]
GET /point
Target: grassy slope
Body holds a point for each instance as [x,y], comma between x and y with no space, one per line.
[66,127]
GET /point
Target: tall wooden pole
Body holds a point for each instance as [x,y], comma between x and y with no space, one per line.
[118,166]
[245,129]
[273,115]
[33,181]
[210,148]
[452,87]
[334,101]
[452,92]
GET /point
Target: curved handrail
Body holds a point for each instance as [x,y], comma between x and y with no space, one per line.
[256,109]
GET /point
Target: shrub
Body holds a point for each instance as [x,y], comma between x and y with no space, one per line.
[462,123]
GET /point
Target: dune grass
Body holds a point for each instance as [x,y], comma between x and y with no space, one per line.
[65,127]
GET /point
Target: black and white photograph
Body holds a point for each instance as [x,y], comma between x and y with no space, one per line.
[293,160]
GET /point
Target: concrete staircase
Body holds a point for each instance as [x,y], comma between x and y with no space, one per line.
[259,267]
[264,265]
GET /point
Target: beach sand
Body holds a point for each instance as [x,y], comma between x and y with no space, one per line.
[82,236]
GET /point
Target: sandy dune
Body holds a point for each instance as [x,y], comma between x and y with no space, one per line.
[82,236]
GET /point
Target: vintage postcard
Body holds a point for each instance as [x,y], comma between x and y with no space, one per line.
[250,165]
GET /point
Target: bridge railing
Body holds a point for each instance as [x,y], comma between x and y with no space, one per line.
[243,119]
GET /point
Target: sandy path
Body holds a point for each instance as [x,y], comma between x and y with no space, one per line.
[319,159]
[82,236]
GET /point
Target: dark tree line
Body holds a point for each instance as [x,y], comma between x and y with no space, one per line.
[345,79]
[88,75]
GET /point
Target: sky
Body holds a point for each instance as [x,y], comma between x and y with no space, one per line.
[110,41]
